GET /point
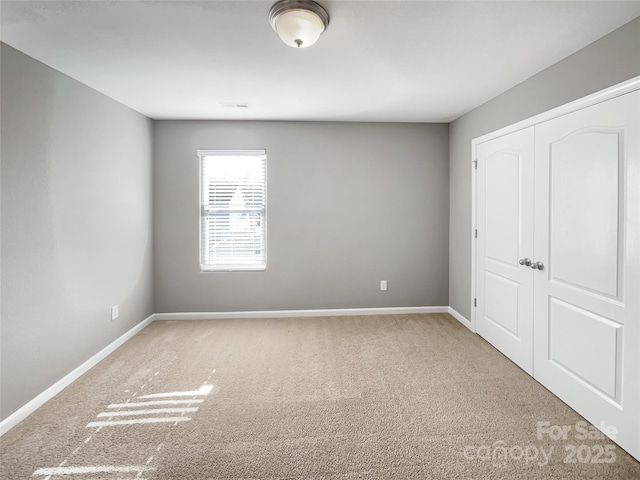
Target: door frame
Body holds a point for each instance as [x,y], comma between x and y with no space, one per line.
[598,97]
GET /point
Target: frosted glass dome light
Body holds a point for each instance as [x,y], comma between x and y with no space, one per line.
[298,23]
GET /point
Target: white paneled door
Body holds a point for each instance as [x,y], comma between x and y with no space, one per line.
[504,248]
[587,238]
[557,257]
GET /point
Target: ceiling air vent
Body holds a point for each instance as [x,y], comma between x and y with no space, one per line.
[234,105]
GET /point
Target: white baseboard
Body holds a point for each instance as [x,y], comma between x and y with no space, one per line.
[461,318]
[19,415]
[338,312]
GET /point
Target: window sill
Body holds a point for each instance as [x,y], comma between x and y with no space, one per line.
[235,268]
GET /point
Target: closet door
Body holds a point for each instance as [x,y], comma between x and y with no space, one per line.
[504,220]
[587,238]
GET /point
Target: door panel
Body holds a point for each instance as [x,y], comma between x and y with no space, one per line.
[501,302]
[504,203]
[585,210]
[587,232]
[597,334]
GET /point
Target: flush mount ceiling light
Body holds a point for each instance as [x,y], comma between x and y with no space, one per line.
[298,23]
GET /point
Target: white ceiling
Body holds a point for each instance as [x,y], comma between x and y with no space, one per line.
[398,61]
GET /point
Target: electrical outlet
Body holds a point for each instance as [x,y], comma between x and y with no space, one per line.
[114,312]
[383,285]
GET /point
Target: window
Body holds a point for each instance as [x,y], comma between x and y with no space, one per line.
[232,210]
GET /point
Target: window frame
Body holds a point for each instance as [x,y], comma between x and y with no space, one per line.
[212,268]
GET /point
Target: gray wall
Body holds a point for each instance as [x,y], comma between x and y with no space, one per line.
[349,204]
[610,60]
[76,224]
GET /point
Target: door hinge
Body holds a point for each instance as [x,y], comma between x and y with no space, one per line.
[475,164]
[476,233]
[475,302]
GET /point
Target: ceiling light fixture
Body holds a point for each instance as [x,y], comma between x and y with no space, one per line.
[298,23]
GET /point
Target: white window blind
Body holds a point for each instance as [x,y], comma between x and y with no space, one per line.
[233,210]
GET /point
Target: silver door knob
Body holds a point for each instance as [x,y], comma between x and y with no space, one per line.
[525,261]
[537,266]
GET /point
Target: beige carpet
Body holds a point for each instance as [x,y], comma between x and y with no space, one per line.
[382,397]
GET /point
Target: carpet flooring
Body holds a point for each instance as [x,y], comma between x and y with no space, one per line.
[372,397]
